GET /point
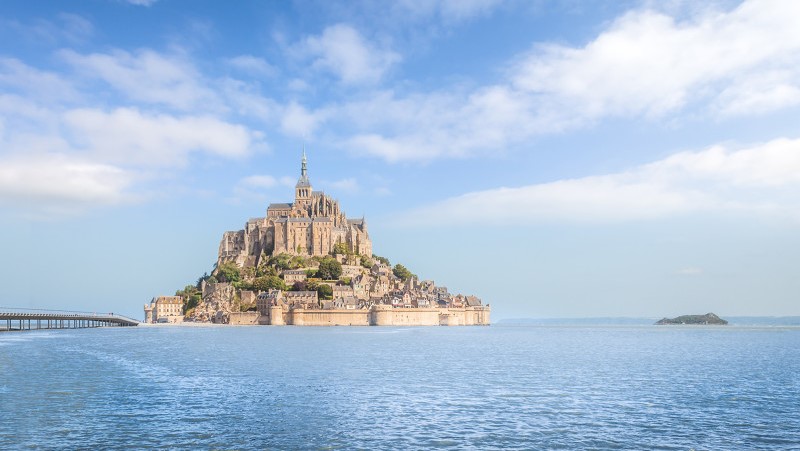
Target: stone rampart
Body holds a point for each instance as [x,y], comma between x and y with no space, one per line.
[340,317]
[243,318]
[377,315]
[415,317]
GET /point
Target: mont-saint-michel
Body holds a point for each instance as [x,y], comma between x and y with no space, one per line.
[307,264]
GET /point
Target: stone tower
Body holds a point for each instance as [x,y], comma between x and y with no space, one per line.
[303,190]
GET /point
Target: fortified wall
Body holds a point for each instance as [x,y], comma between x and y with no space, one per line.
[377,315]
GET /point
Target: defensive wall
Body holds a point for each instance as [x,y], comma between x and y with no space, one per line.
[243,318]
[377,315]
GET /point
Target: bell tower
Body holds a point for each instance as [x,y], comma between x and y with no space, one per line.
[303,190]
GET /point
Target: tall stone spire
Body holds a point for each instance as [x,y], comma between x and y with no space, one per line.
[303,181]
[303,190]
[304,164]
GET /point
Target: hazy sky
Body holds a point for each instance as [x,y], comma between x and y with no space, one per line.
[556,158]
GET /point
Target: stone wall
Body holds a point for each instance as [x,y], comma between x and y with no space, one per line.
[377,315]
[243,318]
[303,317]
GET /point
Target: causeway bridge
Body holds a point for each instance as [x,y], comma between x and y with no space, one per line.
[18,319]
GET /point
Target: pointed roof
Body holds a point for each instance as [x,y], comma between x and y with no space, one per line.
[303,180]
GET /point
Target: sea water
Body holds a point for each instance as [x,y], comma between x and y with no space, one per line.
[498,387]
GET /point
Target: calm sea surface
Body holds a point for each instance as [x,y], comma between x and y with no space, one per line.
[498,387]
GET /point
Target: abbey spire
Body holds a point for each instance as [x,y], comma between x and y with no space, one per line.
[302,191]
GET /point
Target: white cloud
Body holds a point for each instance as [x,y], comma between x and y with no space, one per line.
[245,100]
[128,136]
[254,188]
[761,179]
[644,65]
[61,183]
[341,50]
[349,185]
[648,63]
[259,181]
[34,83]
[147,76]
[454,124]
[252,65]
[38,121]
[142,2]
[66,27]
[298,121]
[457,10]
[450,11]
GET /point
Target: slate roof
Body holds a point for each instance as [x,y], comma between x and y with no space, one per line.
[283,206]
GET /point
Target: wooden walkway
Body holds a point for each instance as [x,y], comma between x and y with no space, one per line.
[18,319]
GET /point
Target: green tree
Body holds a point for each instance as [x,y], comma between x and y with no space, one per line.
[298,261]
[202,278]
[300,285]
[265,270]
[401,272]
[383,260]
[191,302]
[329,269]
[265,283]
[366,262]
[312,284]
[280,261]
[249,272]
[325,291]
[228,272]
[341,249]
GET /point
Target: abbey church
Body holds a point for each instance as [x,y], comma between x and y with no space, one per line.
[312,225]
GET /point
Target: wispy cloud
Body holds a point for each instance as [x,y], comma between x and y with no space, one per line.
[348,185]
[753,180]
[344,52]
[147,76]
[142,2]
[448,10]
[61,184]
[106,152]
[252,65]
[297,121]
[128,136]
[64,28]
[255,188]
[646,65]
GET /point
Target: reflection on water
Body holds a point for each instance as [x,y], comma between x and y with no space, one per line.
[386,388]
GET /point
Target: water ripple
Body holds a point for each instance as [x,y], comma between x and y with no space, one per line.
[402,388]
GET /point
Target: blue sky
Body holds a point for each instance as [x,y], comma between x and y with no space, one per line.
[556,158]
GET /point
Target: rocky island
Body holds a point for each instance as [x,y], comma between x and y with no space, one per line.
[307,263]
[707,319]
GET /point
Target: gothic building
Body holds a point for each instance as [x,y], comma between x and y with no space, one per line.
[312,225]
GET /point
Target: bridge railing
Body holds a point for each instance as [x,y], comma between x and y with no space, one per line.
[75,313]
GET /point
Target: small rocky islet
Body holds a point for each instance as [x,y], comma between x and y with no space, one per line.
[709,319]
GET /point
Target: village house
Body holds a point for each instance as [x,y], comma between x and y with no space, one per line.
[290,276]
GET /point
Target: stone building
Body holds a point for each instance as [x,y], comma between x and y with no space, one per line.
[301,299]
[291,276]
[312,225]
[164,309]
